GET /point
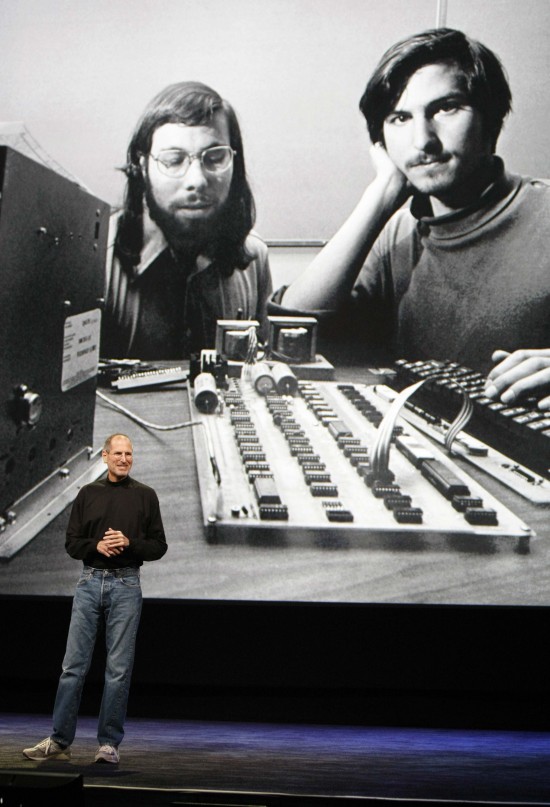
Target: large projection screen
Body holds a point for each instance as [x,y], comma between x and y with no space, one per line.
[294,71]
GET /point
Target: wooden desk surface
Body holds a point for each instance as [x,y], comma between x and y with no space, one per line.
[195,569]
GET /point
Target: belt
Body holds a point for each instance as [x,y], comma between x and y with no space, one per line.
[124,571]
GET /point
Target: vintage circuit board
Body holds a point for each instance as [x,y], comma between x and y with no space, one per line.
[297,468]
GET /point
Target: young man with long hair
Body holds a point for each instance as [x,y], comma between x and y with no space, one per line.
[447,255]
[183,253]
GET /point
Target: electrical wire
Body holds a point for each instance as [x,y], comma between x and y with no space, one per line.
[252,345]
[460,421]
[251,354]
[170,427]
[146,423]
[381,448]
[380,453]
[211,452]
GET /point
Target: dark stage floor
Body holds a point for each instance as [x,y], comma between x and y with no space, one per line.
[191,762]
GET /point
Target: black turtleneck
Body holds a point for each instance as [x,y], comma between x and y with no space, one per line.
[128,506]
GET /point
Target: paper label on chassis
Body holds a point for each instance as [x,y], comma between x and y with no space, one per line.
[80,348]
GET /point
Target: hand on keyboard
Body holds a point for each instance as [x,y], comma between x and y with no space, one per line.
[521,373]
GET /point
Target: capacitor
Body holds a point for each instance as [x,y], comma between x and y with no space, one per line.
[285,380]
[205,393]
[262,379]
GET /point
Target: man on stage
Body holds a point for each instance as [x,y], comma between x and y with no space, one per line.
[115,525]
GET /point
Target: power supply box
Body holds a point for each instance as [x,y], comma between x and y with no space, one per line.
[53,239]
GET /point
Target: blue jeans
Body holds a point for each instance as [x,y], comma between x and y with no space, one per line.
[112,595]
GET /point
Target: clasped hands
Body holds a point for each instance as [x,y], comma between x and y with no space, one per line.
[113,543]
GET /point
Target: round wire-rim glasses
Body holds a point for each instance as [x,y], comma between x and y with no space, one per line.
[176,162]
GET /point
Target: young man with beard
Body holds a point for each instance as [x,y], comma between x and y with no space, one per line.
[462,272]
[183,254]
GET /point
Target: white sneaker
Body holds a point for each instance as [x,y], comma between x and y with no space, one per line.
[107,753]
[47,749]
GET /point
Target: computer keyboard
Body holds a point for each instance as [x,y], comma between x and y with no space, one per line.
[521,432]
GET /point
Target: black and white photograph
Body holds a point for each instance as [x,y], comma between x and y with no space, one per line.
[275,431]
